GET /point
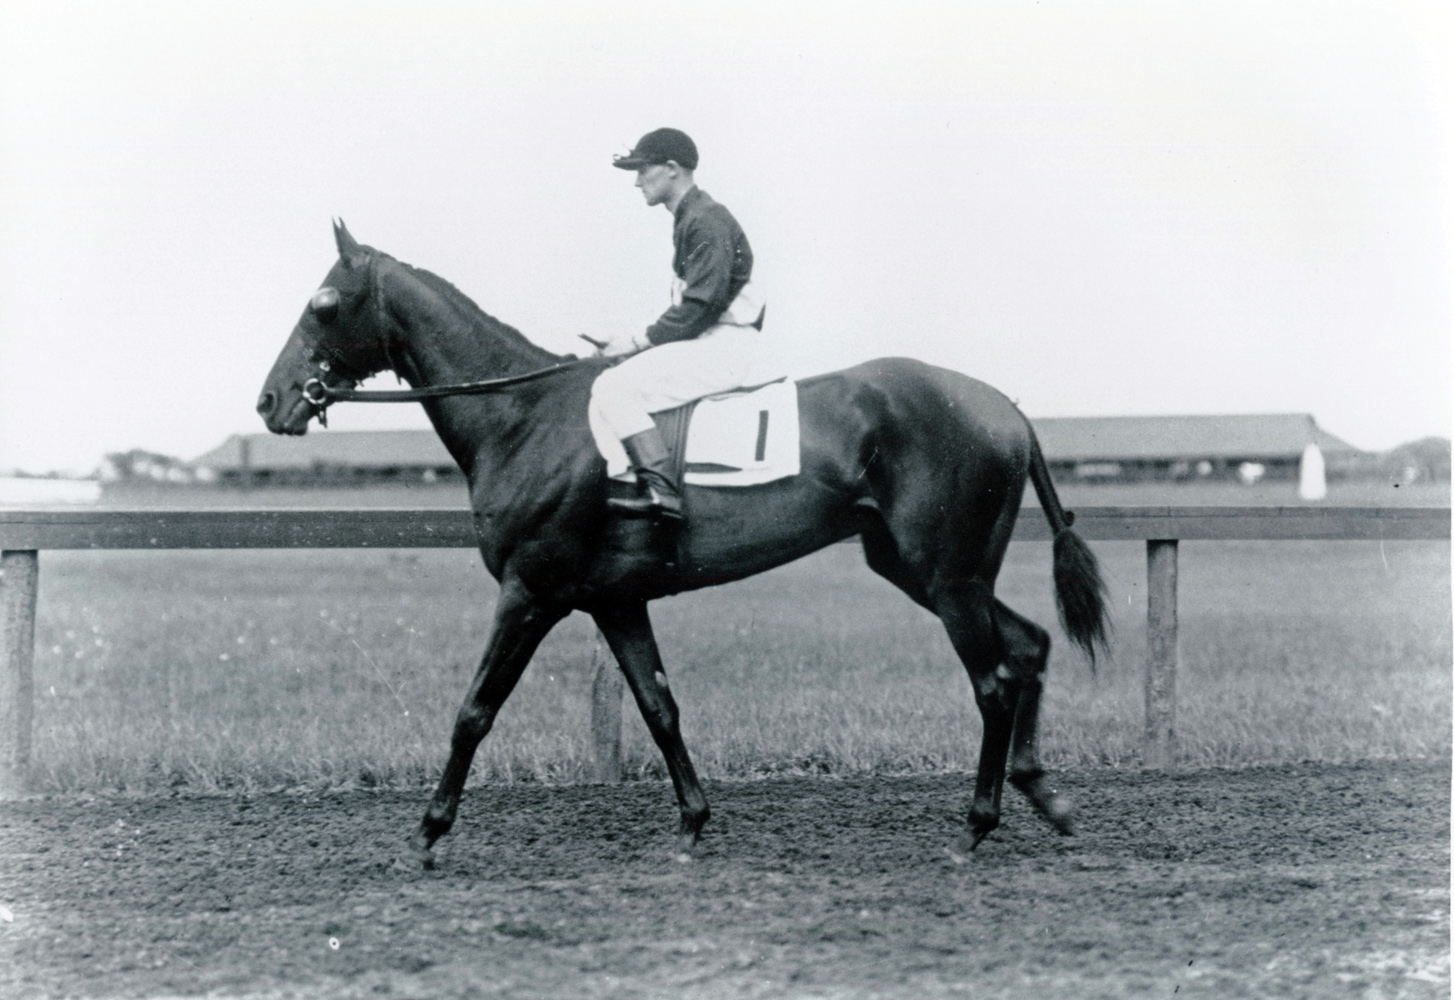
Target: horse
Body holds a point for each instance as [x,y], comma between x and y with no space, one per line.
[927,466]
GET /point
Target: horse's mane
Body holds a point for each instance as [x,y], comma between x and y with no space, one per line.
[492,327]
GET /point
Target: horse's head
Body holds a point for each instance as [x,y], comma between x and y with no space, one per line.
[339,340]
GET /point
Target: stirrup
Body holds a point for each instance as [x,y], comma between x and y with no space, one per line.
[653,504]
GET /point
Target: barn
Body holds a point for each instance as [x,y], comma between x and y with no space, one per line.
[329,457]
[1083,449]
[1245,447]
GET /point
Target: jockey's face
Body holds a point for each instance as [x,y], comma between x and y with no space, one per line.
[657,182]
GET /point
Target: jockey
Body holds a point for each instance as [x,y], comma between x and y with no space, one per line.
[707,342]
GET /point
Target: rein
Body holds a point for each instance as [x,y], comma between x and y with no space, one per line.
[320,394]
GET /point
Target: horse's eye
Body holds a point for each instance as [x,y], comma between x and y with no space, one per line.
[324,304]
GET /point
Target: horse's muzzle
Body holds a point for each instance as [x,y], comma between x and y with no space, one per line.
[281,418]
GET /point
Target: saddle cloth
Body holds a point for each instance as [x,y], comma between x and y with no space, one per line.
[740,438]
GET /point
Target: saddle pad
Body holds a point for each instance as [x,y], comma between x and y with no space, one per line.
[744,438]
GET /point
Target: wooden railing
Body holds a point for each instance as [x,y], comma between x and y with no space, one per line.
[24,533]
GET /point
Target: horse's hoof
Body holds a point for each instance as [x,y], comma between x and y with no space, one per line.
[981,825]
[689,832]
[1056,808]
[686,847]
[1060,811]
[414,858]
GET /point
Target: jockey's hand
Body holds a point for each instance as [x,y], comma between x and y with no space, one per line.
[621,346]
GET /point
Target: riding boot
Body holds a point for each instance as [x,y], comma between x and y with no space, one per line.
[659,496]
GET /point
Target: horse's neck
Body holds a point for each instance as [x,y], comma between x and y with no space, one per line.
[443,338]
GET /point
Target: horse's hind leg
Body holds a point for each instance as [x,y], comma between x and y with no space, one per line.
[1005,655]
[520,623]
[627,629]
[967,610]
[984,811]
[1026,648]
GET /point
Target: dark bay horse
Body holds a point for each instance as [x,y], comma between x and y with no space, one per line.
[926,465]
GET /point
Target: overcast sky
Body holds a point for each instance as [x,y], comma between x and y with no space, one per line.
[1099,208]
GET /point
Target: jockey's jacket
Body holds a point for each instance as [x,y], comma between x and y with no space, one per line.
[713,265]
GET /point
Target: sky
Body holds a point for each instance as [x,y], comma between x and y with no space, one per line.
[1099,208]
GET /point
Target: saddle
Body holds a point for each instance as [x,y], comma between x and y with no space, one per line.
[740,438]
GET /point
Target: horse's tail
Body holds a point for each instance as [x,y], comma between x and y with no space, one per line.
[1080,593]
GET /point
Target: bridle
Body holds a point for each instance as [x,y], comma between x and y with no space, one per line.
[320,395]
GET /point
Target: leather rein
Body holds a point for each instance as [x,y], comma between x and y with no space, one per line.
[321,395]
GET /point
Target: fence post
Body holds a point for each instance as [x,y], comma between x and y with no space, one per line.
[607,690]
[1162,652]
[19,575]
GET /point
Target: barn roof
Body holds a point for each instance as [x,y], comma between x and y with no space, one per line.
[353,449]
[1235,436]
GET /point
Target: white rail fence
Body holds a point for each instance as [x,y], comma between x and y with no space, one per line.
[25,533]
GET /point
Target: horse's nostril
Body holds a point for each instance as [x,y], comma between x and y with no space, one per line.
[266,403]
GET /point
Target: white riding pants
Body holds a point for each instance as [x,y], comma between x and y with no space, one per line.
[623,398]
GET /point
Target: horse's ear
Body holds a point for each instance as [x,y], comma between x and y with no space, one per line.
[349,249]
[346,243]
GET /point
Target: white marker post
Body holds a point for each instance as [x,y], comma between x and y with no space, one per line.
[1312,481]
[608,688]
[19,572]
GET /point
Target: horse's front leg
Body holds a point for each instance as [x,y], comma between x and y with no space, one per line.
[627,629]
[521,621]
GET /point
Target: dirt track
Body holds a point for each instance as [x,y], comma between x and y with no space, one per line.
[1312,880]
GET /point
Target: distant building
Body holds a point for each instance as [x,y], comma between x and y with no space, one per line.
[1085,449]
[1244,447]
[139,463]
[331,457]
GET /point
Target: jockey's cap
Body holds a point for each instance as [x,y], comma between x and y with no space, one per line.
[659,146]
